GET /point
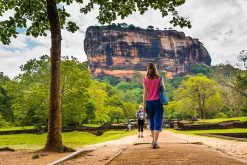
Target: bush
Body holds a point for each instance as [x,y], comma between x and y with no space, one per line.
[104,119]
[200,68]
[221,115]
[3,123]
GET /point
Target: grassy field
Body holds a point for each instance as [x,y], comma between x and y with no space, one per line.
[234,130]
[92,125]
[218,120]
[16,128]
[72,139]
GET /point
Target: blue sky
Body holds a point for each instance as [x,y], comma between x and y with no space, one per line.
[220,25]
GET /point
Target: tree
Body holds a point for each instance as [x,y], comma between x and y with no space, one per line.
[242,77]
[130,110]
[3,123]
[123,25]
[30,95]
[90,112]
[115,113]
[111,80]
[41,16]
[99,95]
[3,79]
[131,27]
[150,27]
[230,77]
[199,93]
[200,68]
[234,103]
[5,107]
[243,57]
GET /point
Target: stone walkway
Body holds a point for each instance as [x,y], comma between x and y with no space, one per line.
[174,149]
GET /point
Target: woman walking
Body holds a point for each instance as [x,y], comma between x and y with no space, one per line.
[141,119]
[151,102]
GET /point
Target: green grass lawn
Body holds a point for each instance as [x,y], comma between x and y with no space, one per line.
[218,120]
[16,128]
[72,139]
[234,130]
[92,125]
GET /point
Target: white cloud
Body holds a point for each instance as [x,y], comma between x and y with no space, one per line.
[220,25]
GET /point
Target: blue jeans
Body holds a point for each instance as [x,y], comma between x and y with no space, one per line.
[155,111]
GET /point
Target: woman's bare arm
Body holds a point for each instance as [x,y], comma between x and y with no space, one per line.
[144,97]
[163,85]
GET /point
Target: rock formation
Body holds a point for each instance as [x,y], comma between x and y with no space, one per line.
[122,51]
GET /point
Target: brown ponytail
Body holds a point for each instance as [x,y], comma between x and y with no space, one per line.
[152,71]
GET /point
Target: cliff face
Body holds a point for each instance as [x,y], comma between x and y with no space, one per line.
[121,51]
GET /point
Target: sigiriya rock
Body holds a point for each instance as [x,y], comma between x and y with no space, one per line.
[118,51]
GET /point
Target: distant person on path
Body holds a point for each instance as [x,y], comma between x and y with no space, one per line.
[141,119]
[129,125]
[151,102]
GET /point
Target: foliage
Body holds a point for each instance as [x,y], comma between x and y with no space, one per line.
[5,105]
[111,80]
[150,27]
[84,100]
[243,57]
[221,115]
[199,96]
[234,102]
[89,100]
[75,98]
[133,96]
[3,79]
[173,112]
[200,68]
[230,77]
[29,91]
[3,123]
[241,82]
[90,112]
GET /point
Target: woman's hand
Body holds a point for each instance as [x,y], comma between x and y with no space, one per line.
[145,110]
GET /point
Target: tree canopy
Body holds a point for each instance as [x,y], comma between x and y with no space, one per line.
[201,94]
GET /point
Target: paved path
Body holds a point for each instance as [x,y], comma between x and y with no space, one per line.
[174,150]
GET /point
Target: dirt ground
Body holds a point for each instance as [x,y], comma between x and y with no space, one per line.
[175,149]
[103,152]
[24,157]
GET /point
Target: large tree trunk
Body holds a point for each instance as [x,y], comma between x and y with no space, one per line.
[201,113]
[54,137]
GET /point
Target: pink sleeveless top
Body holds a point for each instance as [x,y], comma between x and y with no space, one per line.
[152,86]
